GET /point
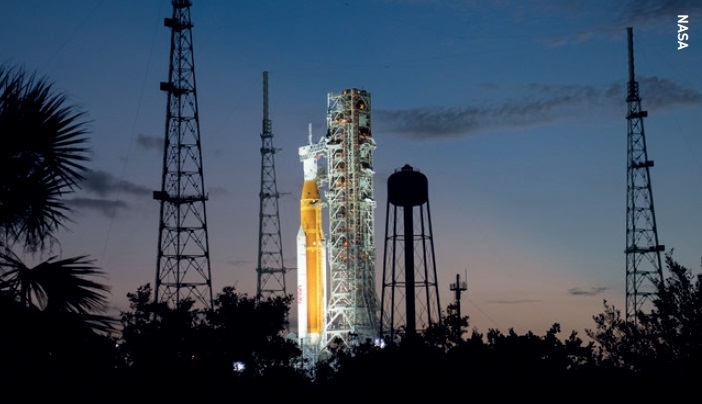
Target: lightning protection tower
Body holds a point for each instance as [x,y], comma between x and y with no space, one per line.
[183,265]
[410,290]
[353,305]
[643,252]
[270,269]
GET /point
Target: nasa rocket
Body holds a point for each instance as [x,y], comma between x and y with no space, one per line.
[311,254]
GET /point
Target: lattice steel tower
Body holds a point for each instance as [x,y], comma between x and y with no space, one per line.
[270,269]
[183,265]
[352,308]
[643,252]
[410,296]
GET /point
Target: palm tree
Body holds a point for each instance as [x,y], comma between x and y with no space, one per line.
[42,154]
[52,312]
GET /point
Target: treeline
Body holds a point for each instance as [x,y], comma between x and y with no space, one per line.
[239,350]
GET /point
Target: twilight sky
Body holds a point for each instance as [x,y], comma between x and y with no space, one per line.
[514,110]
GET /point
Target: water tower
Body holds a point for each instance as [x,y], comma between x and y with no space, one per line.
[410,297]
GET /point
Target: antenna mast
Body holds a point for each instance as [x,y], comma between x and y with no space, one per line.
[270,268]
[458,287]
[643,252]
[183,265]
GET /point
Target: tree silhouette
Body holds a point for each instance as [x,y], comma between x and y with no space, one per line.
[55,327]
[252,332]
[54,335]
[41,158]
[665,344]
[239,345]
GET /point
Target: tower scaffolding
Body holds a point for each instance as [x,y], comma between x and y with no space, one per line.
[352,308]
[270,269]
[183,264]
[643,252]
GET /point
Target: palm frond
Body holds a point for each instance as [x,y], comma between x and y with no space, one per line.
[31,216]
[19,282]
[41,159]
[62,285]
[58,291]
[69,288]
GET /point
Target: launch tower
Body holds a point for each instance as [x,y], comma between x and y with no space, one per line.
[353,306]
[270,269]
[349,303]
[643,252]
[183,263]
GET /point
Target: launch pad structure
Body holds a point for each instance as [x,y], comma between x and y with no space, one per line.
[347,301]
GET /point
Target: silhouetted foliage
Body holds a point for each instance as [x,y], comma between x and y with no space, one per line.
[57,286]
[449,332]
[56,335]
[203,350]
[252,332]
[41,157]
[441,363]
[664,345]
[239,344]
[53,331]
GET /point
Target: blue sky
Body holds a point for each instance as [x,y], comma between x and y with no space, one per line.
[514,110]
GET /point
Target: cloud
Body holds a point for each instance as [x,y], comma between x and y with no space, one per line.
[662,93]
[104,183]
[643,13]
[150,142]
[240,263]
[453,122]
[592,292]
[543,104]
[515,301]
[107,207]
[577,37]
[217,191]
